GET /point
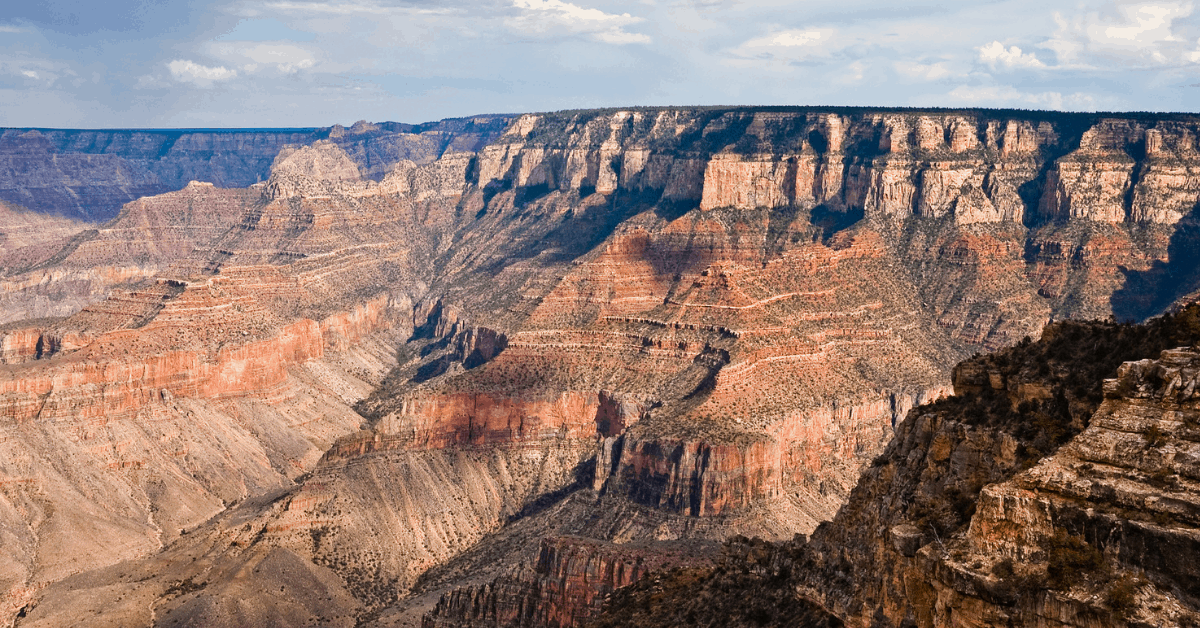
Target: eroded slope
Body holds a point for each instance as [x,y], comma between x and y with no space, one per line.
[624,326]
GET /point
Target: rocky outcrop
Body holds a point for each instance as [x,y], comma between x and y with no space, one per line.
[315,171]
[1120,495]
[169,407]
[698,320]
[1030,497]
[953,542]
[89,175]
[566,587]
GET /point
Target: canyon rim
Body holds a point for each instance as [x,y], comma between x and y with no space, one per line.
[519,370]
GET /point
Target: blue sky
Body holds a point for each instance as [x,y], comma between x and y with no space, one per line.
[231,63]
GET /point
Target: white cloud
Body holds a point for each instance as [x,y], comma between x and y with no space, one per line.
[788,39]
[1145,23]
[340,8]
[785,45]
[995,55]
[1132,34]
[30,73]
[551,17]
[1002,95]
[5,28]
[570,11]
[855,72]
[287,58]
[620,37]
[191,72]
[923,71]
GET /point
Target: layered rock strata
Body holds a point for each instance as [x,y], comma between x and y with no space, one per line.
[141,243]
[703,316]
[1023,537]
[89,175]
[1031,497]
[566,586]
[27,237]
[222,379]
[118,440]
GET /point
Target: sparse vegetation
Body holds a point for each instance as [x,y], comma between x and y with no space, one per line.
[1048,391]
[1070,559]
[1155,436]
[1121,596]
[748,590]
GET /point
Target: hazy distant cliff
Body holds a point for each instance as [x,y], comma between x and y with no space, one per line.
[88,175]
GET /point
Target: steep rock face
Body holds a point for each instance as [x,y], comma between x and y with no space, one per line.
[1098,180]
[1028,498]
[1122,494]
[1066,541]
[925,171]
[116,442]
[705,316]
[90,174]
[810,455]
[565,587]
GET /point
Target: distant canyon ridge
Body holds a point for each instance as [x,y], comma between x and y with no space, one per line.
[486,370]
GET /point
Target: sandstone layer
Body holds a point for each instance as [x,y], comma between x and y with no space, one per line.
[701,321]
[1068,539]
[89,175]
[1033,497]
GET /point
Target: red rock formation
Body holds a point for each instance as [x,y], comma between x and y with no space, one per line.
[681,294]
[566,587]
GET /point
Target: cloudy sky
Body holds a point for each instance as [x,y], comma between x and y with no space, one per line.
[221,63]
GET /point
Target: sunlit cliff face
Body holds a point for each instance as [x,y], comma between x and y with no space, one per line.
[627,326]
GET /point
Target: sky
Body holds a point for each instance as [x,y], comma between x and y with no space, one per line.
[290,63]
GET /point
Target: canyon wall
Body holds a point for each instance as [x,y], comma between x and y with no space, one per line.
[645,326]
[222,373]
[1071,538]
[118,438]
[1039,494]
[89,175]
[565,587]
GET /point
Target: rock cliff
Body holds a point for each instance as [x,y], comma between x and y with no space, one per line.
[645,326]
[1040,494]
[566,586]
[89,175]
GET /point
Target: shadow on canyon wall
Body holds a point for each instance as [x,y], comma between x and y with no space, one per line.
[1148,292]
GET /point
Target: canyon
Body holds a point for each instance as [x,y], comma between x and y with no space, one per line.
[487,371]
[1039,494]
